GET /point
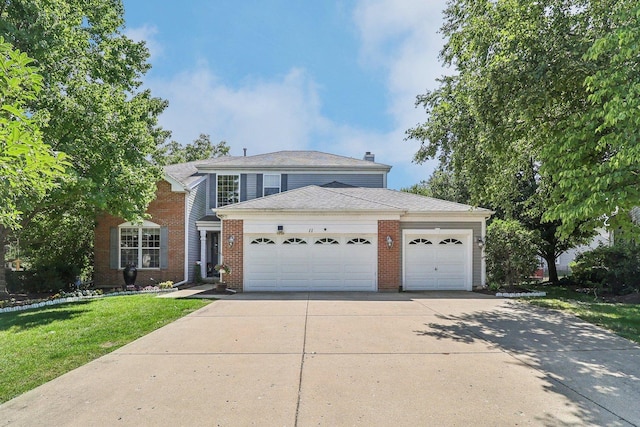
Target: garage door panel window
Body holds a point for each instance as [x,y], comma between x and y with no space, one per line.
[421,242]
[327,241]
[358,241]
[262,241]
[294,241]
[450,242]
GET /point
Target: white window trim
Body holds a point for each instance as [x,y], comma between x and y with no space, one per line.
[218,175]
[139,226]
[264,186]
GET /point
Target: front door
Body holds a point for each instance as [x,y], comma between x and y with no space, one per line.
[215,254]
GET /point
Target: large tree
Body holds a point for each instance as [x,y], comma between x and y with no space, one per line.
[29,168]
[526,110]
[91,96]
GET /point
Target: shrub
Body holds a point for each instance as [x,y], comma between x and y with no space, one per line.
[166,285]
[510,252]
[614,268]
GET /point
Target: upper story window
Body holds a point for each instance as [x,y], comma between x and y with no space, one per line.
[140,246]
[228,189]
[271,184]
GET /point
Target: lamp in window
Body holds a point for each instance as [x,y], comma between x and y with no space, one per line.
[480,242]
[389,242]
[231,240]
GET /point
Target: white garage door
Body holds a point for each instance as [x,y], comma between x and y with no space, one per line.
[336,263]
[437,262]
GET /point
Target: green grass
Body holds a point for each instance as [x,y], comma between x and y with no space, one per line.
[623,319]
[41,344]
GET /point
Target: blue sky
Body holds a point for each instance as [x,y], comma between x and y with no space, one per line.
[269,75]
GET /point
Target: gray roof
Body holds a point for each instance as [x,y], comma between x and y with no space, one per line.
[185,173]
[314,198]
[291,160]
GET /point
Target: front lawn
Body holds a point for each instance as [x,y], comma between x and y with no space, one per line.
[41,344]
[623,319]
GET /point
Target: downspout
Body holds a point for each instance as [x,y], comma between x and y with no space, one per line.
[186,239]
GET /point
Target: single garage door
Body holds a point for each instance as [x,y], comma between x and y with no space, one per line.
[327,263]
[437,262]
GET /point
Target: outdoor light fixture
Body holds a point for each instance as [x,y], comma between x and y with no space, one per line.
[231,241]
[480,242]
[389,242]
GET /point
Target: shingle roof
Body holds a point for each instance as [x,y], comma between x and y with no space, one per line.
[184,173]
[314,198]
[291,160]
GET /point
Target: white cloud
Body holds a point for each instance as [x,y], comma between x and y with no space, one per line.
[260,115]
[146,33]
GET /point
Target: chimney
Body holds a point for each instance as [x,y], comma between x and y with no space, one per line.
[368,156]
[245,152]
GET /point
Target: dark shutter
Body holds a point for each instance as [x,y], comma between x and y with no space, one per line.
[243,187]
[259,185]
[283,182]
[113,248]
[213,191]
[164,247]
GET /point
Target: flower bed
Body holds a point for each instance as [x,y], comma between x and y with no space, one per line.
[66,297]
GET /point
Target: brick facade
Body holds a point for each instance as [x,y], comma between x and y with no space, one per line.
[389,259]
[233,256]
[167,209]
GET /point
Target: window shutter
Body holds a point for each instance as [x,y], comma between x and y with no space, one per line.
[259,185]
[243,187]
[213,191]
[113,248]
[164,247]
[283,184]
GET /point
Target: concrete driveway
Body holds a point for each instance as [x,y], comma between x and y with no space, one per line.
[337,359]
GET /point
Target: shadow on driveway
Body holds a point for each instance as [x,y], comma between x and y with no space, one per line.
[571,354]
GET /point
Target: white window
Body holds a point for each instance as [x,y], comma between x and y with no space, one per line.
[228,189]
[140,246]
[271,184]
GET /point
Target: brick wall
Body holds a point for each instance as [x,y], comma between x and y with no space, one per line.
[166,210]
[389,261]
[233,256]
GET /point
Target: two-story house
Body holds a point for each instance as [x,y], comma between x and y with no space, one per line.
[295,220]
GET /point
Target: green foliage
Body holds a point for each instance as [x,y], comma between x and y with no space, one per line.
[534,117]
[445,185]
[28,167]
[166,285]
[63,337]
[510,252]
[90,106]
[553,84]
[614,268]
[201,149]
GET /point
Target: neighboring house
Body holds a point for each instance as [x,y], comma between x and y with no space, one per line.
[563,262]
[295,220]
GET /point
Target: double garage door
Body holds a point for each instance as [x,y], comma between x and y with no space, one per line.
[303,263]
[437,261]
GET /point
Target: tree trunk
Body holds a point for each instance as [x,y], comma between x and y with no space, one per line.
[553,271]
[3,277]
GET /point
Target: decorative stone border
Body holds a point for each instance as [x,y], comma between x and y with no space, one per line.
[75,299]
[520,294]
